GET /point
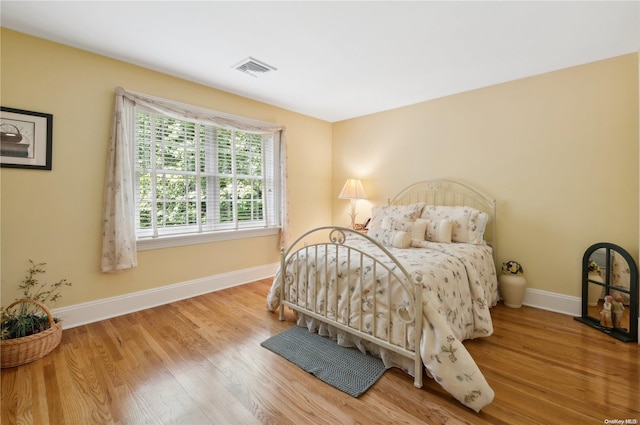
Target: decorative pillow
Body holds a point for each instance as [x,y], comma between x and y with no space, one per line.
[439,230]
[401,212]
[416,229]
[394,238]
[469,223]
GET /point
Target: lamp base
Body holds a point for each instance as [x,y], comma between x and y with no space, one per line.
[353,213]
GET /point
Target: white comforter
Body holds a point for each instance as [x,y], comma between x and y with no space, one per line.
[459,287]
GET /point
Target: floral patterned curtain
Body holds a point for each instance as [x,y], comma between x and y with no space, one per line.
[118,233]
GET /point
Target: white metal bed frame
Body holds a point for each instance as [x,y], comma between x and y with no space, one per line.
[431,192]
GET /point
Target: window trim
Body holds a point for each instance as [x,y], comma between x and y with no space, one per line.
[169,241]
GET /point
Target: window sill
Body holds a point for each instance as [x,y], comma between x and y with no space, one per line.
[182,240]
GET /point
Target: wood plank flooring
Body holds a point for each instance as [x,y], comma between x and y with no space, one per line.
[199,361]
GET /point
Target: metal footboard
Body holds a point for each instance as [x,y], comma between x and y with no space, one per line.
[324,262]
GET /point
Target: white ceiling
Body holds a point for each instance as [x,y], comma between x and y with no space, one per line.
[339,60]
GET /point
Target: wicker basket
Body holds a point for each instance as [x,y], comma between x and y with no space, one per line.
[18,351]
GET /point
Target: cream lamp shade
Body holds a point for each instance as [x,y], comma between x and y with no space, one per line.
[353,190]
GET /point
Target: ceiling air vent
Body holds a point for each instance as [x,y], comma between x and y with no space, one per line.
[254,67]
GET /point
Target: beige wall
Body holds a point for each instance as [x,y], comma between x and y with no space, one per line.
[55,216]
[558,152]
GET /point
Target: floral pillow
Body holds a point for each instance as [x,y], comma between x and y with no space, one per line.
[468,224]
[400,212]
[394,238]
[416,229]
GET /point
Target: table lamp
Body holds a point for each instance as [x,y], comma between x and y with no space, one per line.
[353,190]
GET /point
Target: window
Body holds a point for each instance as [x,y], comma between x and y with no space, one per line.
[178,174]
[193,178]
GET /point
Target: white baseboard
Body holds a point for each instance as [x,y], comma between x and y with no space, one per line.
[552,301]
[94,311]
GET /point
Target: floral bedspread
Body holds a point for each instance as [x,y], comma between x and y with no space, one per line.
[459,286]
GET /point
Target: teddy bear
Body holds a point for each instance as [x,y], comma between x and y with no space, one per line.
[617,308]
[605,315]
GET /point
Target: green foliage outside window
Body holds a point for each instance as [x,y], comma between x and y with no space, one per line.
[201,172]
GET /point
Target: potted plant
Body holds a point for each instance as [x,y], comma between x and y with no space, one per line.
[26,334]
[512,284]
[593,267]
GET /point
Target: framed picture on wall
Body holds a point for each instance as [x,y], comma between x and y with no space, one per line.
[25,139]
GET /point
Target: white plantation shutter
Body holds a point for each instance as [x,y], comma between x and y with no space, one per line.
[173,163]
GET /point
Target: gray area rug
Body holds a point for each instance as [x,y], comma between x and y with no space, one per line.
[346,369]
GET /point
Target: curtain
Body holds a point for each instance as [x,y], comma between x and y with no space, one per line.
[119,233]
[119,240]
[285,236]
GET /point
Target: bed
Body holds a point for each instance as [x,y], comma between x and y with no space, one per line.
[410,290]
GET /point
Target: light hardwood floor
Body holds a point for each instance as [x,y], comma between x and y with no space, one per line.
[199,361]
